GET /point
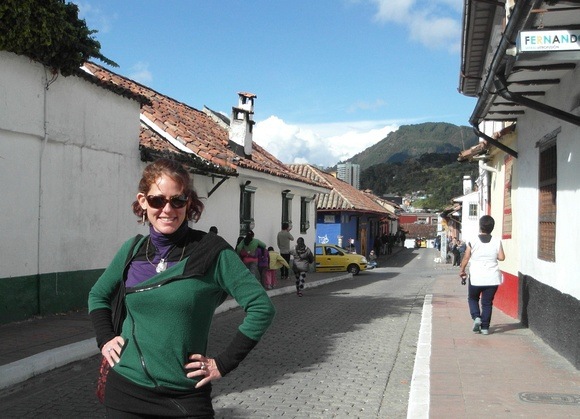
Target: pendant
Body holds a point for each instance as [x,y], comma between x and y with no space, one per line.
[161,266]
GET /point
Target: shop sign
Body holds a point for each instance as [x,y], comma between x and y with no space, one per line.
[560,40]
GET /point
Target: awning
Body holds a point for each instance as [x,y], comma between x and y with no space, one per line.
[514,81]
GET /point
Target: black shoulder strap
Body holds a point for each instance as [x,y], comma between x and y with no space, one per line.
[203,253]
[132,249]
[118,303]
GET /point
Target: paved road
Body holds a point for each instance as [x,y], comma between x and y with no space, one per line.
[344,349]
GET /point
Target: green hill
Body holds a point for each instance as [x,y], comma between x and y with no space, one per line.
[438,176]
[414,141]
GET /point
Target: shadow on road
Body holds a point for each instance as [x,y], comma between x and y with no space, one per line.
[307,331]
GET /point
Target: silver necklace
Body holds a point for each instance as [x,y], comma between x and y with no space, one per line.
[162,265]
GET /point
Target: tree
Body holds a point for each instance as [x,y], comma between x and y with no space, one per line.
[50,32]
[440,175]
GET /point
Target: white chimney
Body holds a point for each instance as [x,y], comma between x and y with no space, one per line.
[467,185]
[242,123]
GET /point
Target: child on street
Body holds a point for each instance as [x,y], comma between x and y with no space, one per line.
[372,260]
[276,262]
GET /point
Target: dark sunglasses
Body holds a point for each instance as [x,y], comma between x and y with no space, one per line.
[159,201]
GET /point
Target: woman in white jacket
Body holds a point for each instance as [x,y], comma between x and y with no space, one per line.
[483,254]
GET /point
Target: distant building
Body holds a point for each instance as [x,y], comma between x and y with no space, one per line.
[349,173]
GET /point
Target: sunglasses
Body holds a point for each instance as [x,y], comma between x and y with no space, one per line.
[159,201]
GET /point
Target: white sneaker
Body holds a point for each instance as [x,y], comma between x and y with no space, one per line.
[477,325]
[485,331]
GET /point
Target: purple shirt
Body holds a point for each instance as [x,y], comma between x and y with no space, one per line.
[160,246]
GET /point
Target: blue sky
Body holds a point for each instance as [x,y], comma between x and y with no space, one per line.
[332,77]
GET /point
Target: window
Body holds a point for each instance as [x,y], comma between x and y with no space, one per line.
[472,211]
[246,208]
[287,206]
[547,189]
[507,198]
[304,214]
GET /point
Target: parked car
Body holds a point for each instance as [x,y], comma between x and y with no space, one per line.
[331,258]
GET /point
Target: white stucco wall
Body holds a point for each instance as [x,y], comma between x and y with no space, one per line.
[222,208]
[561,274]
[469,225]
[70,185]
[511,246]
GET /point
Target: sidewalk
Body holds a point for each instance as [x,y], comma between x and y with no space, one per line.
[509,373]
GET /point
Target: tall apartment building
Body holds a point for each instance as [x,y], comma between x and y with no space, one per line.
[350,173]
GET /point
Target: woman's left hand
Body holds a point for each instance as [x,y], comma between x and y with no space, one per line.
[202,367]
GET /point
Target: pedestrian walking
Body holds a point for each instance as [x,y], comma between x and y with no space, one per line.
[283,240]
[263,263]
[390,243]
[170,283]
[372,260]
[276,262]
[302,258]
[461,248]
[247,249]
[482,254]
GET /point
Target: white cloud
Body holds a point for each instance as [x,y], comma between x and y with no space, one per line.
[320,144]
[433,23]
[366,106]
[436,32]
[97,19]
[140,73]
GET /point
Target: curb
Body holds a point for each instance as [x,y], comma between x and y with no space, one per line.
[24,369]
[19,371]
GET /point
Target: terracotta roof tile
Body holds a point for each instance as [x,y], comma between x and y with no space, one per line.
[199,132]
[343,196]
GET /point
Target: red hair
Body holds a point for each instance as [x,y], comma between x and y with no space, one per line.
[177,173]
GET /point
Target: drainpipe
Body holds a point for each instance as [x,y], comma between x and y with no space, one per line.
[501,88]
[46,84]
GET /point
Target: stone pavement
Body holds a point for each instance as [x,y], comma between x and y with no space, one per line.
[458,374]
[32,347]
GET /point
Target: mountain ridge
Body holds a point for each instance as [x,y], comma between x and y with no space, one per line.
[415,140]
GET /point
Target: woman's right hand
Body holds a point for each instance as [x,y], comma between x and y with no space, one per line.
[112,350]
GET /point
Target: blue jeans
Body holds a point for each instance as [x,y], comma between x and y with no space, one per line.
[487,293]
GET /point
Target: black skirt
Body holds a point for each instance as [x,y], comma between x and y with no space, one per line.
[124,395]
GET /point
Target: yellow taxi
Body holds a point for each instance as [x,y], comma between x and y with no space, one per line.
[331,258]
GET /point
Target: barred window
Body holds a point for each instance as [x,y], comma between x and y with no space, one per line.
[472,211]
[305,214]
[547,190]
[287,206]
[246,208]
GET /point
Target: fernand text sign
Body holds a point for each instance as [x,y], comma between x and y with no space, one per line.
[562,40]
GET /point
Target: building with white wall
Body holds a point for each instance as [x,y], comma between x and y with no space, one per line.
[69,164]
[528,119]
[72,150]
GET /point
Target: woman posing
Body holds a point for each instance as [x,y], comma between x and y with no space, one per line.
[175,279]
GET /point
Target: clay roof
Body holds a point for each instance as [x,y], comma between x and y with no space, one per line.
[482,148]
[172,128]
[343,196]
